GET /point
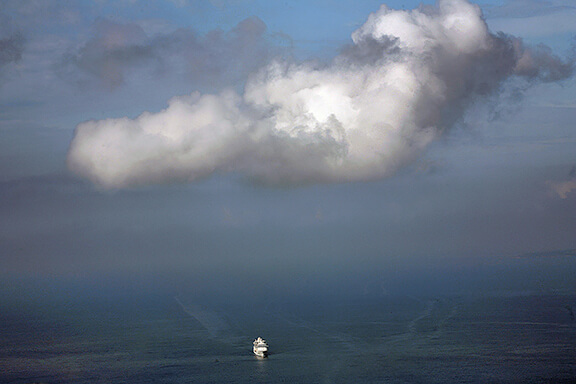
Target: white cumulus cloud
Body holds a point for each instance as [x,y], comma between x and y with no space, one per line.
[407,77]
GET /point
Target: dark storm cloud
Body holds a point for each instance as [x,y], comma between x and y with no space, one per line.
[216,58]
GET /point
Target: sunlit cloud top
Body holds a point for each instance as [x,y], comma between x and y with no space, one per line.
[407,78]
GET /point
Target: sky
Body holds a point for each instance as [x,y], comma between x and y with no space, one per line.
[362,145]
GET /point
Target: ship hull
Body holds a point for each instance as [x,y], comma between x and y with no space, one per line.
[260,353]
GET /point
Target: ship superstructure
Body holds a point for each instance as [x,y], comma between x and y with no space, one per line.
[260,347]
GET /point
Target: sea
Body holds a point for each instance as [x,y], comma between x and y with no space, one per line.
[181,337]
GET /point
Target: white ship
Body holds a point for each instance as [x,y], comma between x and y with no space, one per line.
[260,347]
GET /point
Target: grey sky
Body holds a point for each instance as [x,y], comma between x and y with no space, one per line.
[497,185]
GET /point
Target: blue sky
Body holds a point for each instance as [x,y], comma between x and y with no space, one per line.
[497,182]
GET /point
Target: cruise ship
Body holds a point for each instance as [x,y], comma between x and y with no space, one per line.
[260,347]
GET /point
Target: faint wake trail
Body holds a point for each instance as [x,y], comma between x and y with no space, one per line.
[343,339]
[214,324]
[430,304]
[432,312]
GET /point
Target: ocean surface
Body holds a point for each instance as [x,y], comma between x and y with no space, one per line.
[177,338]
